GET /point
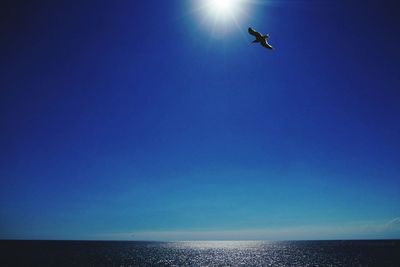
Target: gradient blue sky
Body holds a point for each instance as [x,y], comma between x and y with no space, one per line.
[136,120]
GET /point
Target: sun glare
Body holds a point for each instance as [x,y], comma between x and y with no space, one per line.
[222,9]
[222,6]
[217,14]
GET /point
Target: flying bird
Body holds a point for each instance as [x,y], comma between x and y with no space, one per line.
[262,39]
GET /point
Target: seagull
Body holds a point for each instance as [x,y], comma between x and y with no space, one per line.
[262,39]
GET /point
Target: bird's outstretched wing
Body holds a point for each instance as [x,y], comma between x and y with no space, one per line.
[265,44]
[254,33]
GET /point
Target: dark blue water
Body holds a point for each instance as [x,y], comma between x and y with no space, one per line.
[201,253]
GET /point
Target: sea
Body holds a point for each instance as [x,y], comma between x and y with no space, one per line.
[200,253]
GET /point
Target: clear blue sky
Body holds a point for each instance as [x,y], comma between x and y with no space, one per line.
[138,120]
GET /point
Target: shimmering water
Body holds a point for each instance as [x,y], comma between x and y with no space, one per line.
[201,253]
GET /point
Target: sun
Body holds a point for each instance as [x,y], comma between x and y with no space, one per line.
[222,9]
[220,15]
[222,6]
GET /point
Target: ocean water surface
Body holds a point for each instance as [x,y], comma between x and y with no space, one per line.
[200,253]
